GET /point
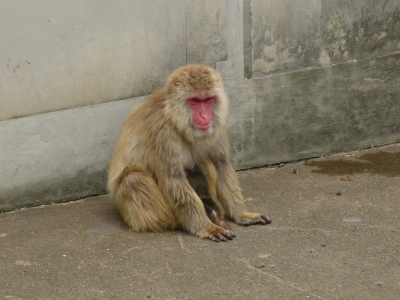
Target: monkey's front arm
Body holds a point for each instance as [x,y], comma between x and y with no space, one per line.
[231,197]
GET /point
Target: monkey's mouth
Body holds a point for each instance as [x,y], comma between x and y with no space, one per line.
[203,127]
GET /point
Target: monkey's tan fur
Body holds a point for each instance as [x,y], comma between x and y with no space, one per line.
[158,141]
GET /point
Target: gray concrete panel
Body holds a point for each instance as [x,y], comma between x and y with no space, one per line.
[233,69]
[289,35]
[298,115]
[315,112]
[206,29]
[59,155]
[360,29]
[284,35]
[56,55]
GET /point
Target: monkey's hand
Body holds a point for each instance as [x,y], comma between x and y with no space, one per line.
[216,233]
[248,218]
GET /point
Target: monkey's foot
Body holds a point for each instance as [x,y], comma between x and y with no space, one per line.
[248,218]
[217,234]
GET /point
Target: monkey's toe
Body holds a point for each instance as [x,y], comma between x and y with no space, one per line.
[260,219]
[229,234]
[265,220]
[218,238]
[214,239]
[223,236]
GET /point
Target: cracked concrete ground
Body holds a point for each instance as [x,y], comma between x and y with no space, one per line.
[335,235]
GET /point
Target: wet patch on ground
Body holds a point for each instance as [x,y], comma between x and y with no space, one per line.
[379,163]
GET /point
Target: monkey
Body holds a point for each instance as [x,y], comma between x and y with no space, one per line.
[183,123]
[198,181]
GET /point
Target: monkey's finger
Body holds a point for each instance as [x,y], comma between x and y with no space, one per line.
[229,234]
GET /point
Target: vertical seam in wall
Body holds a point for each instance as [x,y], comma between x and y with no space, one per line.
[235,38]
[227,30]
[186,36]
[247,39]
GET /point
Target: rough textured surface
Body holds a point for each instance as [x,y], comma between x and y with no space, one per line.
[320,245]
[289,35]
[299,102]
[315,112]
[206,24]
[58,56]
[59,155]
[360,29]
[285,117]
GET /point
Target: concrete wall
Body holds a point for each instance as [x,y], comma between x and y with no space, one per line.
[57,55]
[293,35]
[305,78]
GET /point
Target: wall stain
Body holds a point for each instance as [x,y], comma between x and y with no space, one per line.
[338,34]
[379,163]
[20,64]
[372,34]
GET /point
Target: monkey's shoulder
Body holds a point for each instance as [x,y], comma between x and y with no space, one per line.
[149,107]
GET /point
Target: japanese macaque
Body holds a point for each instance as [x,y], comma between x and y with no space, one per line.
[198,181]
[183,124]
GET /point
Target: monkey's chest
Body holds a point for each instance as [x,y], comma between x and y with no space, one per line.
[188,168]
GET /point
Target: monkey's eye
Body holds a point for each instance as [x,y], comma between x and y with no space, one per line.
[195,100]
[210,99]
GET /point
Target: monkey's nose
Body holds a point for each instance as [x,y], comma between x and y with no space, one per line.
[204,114]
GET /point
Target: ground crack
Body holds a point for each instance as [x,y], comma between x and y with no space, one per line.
[286,283]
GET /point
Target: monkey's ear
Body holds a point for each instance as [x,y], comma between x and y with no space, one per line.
[170,86]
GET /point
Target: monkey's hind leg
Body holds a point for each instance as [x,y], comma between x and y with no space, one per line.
[141,203]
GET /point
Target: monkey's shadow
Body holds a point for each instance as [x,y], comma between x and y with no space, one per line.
[111,216]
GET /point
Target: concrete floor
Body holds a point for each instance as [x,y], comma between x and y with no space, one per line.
[335,235]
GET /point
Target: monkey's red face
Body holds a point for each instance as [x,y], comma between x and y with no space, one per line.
[201,107]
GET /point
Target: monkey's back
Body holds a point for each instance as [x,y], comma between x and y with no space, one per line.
[130,138]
